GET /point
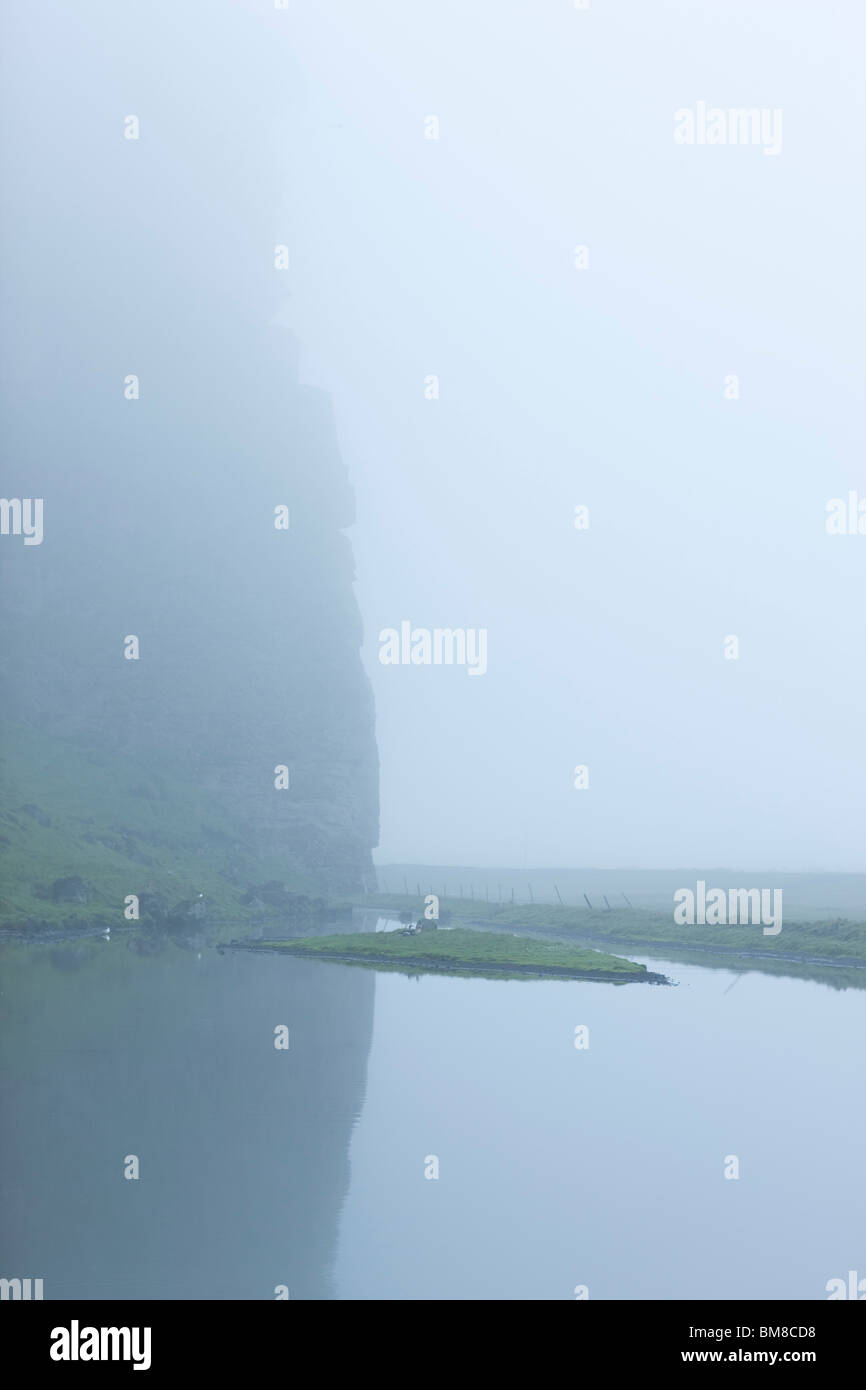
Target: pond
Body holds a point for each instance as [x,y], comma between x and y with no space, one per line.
[423,1138]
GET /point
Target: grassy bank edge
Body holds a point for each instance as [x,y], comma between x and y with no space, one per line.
[465,950]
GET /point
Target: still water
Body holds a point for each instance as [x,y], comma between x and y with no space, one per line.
[557,1167]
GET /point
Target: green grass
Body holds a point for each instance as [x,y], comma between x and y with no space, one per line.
[120,827]
[827,949]
[465,949]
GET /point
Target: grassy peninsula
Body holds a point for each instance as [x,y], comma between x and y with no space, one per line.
[833,950]
[466,952]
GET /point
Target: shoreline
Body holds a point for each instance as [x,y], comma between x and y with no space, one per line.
[665,950]
[452,965]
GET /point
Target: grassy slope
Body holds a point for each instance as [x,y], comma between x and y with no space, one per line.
[465,947]
[121,828]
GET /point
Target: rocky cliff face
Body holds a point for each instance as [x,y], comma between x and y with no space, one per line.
[148,399]
[204,519]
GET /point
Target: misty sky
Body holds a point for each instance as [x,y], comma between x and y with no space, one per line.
[558,387]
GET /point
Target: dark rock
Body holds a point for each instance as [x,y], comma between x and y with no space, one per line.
[70,890]
[293,907]
[192,910]
[152,905]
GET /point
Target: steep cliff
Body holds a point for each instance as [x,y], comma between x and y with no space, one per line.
[204,519]
[148,398]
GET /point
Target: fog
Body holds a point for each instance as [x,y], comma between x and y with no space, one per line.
[606,387]
[432,557]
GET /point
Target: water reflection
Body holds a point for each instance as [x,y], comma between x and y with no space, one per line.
[138,1047]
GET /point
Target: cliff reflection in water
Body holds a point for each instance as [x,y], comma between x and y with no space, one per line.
[243,1148]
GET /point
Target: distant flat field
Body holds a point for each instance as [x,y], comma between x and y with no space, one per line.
[833,950]
[807,896]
